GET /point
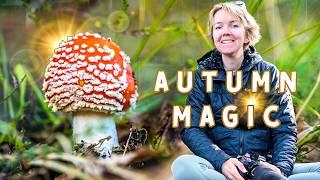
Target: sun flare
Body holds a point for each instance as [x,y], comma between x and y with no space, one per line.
[254,99]
[48,36]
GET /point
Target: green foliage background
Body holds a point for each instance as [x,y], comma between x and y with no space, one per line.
[164,35]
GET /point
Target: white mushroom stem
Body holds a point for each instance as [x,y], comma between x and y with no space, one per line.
[95,128]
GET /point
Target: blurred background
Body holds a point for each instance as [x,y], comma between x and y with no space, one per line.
[167,35]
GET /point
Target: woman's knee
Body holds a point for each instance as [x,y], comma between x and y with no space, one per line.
[188,167]
[184,162]
[303,176]
[192,167]
[306,168]
[310,171]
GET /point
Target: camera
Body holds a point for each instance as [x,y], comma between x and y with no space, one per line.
[255,171]
[250,162]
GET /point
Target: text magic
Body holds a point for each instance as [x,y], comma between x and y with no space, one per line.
[230,117]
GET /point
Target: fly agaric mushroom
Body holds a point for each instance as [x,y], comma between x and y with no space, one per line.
[90,76]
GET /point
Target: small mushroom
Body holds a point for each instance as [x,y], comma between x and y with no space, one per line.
[91,76]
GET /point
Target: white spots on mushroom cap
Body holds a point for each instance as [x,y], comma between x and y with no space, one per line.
[116,70]
[62,44]
[109,51]
[81,73]
[97,57]
[92,59]
[97,35]
[56,56]
[101,66]
[100,50]
[66,93]
[125,57]
[91,50]
[79,34]
[82,57]
[106,58]
[108,67]
[87,88]
[68,50]
[103,76]
[79,93]
[84,45]
[82,64]
[96,72]
[95,81]
[113,94]
[57,50]
[76,47]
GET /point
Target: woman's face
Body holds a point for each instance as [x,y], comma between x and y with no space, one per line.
[228,33]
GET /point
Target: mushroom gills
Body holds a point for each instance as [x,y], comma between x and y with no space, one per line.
[95,129]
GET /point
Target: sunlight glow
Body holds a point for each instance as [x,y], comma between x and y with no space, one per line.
[252,101]
[250,98]
[50,34]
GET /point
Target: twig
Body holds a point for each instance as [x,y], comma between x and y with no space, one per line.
[127,143]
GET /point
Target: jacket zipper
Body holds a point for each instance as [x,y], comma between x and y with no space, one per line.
[241,141]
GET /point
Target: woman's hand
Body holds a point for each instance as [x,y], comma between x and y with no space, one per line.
[270,166]
[229,169]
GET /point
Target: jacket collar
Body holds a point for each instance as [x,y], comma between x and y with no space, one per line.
[212,60]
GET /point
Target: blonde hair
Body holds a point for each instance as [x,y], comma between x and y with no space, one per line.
[238,9]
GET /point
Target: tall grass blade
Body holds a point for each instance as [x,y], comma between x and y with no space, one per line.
[142,12]
[153,27]
[307,46]
[21,77]
[253,8]
[315,133]
[40,98]
[291,37]
[295,16]
[202,33]
[309,96]
[8,105]
[166,41]
[307,106]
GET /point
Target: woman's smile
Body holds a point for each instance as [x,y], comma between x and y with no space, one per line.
[228,41]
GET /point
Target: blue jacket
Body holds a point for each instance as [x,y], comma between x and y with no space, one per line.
[219,143]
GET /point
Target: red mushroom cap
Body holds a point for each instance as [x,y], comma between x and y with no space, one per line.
[89,72]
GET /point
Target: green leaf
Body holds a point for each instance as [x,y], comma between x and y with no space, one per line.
[8,133]
[202,33]
[287,39]
[295,16]
[8,105]
[254,6]
[310,136]
[153,27]
[21,77]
